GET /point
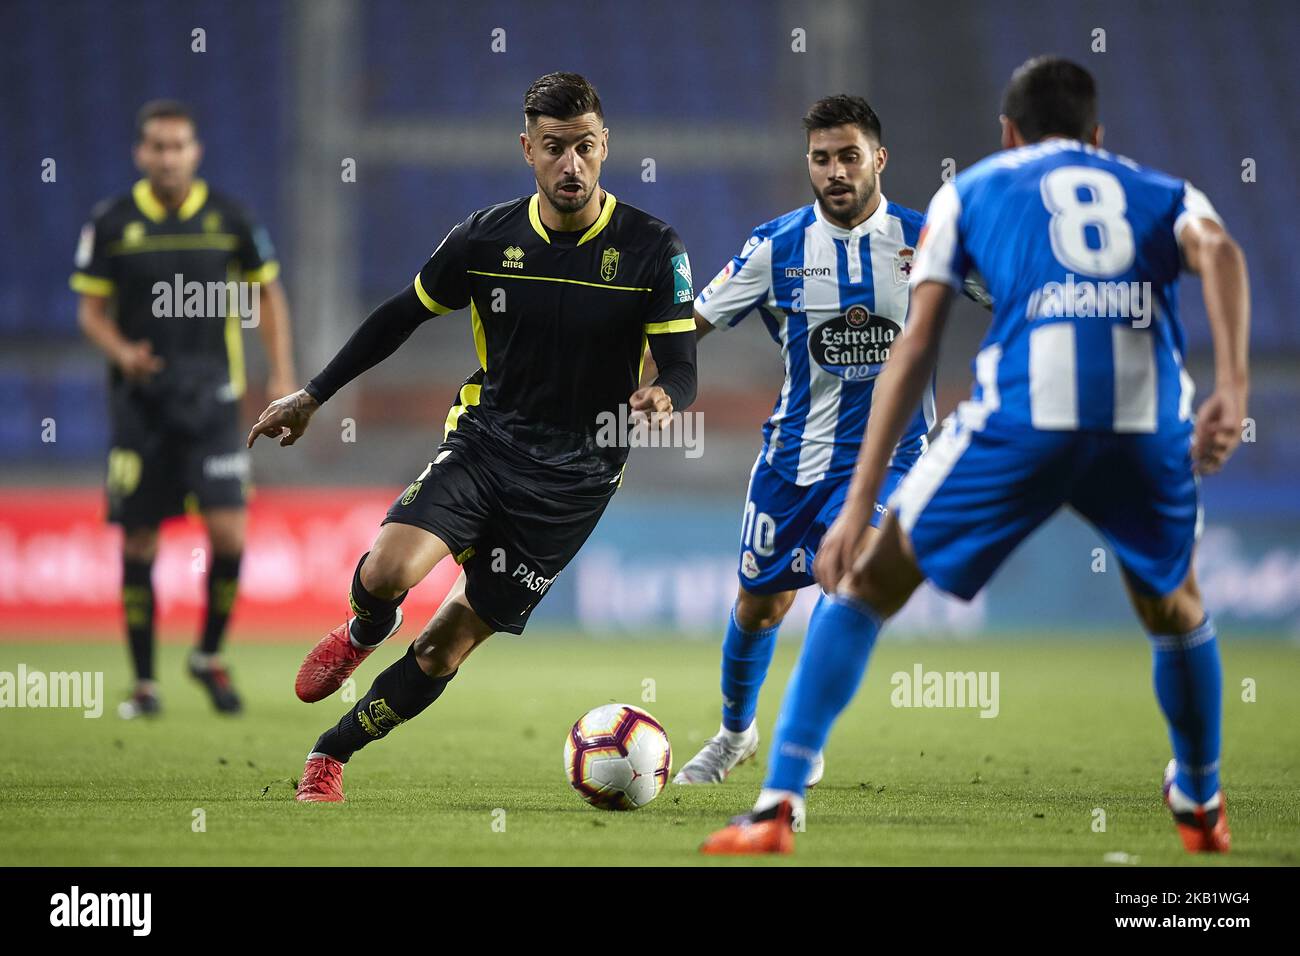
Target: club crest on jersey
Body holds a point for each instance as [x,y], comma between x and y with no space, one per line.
[609,264]
[133,234]
[853,346]
[412,490]
[212,222]
[514,258]
[903,264]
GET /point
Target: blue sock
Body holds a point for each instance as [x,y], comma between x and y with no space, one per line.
[834,658]
[745,659]
[1189,686]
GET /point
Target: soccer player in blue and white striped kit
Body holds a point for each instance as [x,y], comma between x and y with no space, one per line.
[830,283]
[1080,400]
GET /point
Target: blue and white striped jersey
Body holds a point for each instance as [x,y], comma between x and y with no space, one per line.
[834,299]
[1079,250]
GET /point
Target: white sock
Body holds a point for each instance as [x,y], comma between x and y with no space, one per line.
[767,799]
[1180,802]
[737,738]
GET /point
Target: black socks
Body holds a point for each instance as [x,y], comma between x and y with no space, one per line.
[399,693]
[373,617]
[137,602]
[223,582]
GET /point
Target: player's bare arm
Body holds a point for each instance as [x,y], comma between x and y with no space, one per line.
[702,326]
[277,338]
[898,391]
[1213,255]
[135,359]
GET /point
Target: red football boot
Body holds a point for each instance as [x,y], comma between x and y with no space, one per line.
[332,661]
[1203,826]
[771,831]
[322,781]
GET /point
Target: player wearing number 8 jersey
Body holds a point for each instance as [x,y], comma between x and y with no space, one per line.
[1080,399]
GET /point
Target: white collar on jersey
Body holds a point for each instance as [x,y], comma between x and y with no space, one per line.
[872,223]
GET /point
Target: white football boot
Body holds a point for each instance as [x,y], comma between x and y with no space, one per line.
[720,754]
[816,771]
[723,753]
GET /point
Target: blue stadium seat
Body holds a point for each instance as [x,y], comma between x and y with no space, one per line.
[20,424]
[78,401]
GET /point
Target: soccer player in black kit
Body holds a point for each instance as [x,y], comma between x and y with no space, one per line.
[177,373]
[565,289]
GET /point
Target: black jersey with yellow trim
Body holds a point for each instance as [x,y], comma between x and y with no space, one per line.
[560,323]
[169,275]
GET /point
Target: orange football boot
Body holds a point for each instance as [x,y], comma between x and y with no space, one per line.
[771,831]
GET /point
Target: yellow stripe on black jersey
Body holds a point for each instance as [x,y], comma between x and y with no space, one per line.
[134,246]
[559,320]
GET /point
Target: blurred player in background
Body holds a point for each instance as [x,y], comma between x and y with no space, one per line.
[1080,399]
[176,373]
[830,282]
[565,288]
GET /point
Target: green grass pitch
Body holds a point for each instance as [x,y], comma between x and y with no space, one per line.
[1078,735]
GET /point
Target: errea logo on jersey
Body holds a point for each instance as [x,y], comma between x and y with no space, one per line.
[514,258]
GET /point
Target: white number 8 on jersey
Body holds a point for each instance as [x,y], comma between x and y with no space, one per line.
[1071,216]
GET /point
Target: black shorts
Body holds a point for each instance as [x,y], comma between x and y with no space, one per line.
[512,529]
[156,469]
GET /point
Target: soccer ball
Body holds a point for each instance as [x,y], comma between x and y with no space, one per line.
[617,757]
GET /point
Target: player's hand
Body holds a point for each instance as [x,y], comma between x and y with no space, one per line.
[1218,429]
[285,418]
[137,361]
[839,547]
[652,403]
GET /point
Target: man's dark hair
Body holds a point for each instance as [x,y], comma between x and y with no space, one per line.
[842,110]
[1051,96]
[162,109]
[561,96]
